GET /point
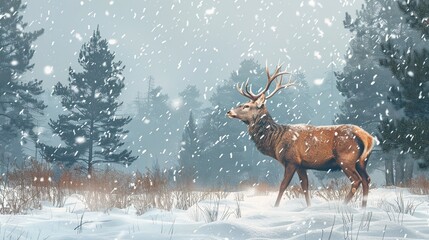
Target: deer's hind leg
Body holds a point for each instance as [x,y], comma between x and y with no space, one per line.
[353,175]
[365,183]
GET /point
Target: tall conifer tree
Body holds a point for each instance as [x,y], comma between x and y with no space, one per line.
[189,154]
[363,82]
[19,104]
[91,128]
[409,132]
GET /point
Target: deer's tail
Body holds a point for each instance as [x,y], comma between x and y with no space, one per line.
[368,144]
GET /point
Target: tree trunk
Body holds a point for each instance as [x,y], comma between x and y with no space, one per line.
[91,149]
[90,168]
[408,170]
[399,170]
[388,162]
[2,158]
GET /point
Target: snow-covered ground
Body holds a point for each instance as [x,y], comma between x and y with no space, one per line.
[259,220]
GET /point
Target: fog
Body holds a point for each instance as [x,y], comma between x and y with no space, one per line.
[191,42]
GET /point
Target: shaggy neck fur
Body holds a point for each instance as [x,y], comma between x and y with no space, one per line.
[266,133]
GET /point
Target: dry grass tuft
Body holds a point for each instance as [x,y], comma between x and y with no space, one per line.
[185,199]
[419,186]
[336,190]
[263,189]
[24,187]
[294,191]
[398,208]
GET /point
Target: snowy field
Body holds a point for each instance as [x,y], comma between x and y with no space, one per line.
[391,214]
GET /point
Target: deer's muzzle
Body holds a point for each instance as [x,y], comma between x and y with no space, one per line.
[231,114]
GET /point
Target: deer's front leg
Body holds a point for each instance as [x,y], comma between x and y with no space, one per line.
[289,171]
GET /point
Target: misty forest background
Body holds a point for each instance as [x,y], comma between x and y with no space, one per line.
[84,122]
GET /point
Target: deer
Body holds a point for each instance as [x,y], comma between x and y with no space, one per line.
[301,147]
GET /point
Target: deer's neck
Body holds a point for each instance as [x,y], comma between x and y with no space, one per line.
[265,132]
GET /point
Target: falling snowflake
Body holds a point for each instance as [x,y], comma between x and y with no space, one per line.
[80,140]
[177,103]
[112,41]
[48,70]
[78,36]
[318,81]
[210,11]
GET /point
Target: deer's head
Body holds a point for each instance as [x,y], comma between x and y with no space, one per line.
[251,110]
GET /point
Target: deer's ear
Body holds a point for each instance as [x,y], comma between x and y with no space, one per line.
[260,101]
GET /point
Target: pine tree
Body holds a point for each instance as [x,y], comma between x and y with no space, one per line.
[416,14]
[227,150]
[91,129]
[408,132]
[189,101]
[156,127]
[363,82]
[190,97]
[19,103]
[189,154]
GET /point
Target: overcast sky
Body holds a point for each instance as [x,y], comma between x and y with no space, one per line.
[190,42]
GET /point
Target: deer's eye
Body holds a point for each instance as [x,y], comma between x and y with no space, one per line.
[246,106]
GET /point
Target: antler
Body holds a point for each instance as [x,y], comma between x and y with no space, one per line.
[249,93]
[280,85]
[245,93]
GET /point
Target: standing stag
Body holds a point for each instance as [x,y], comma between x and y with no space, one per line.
[302,147]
